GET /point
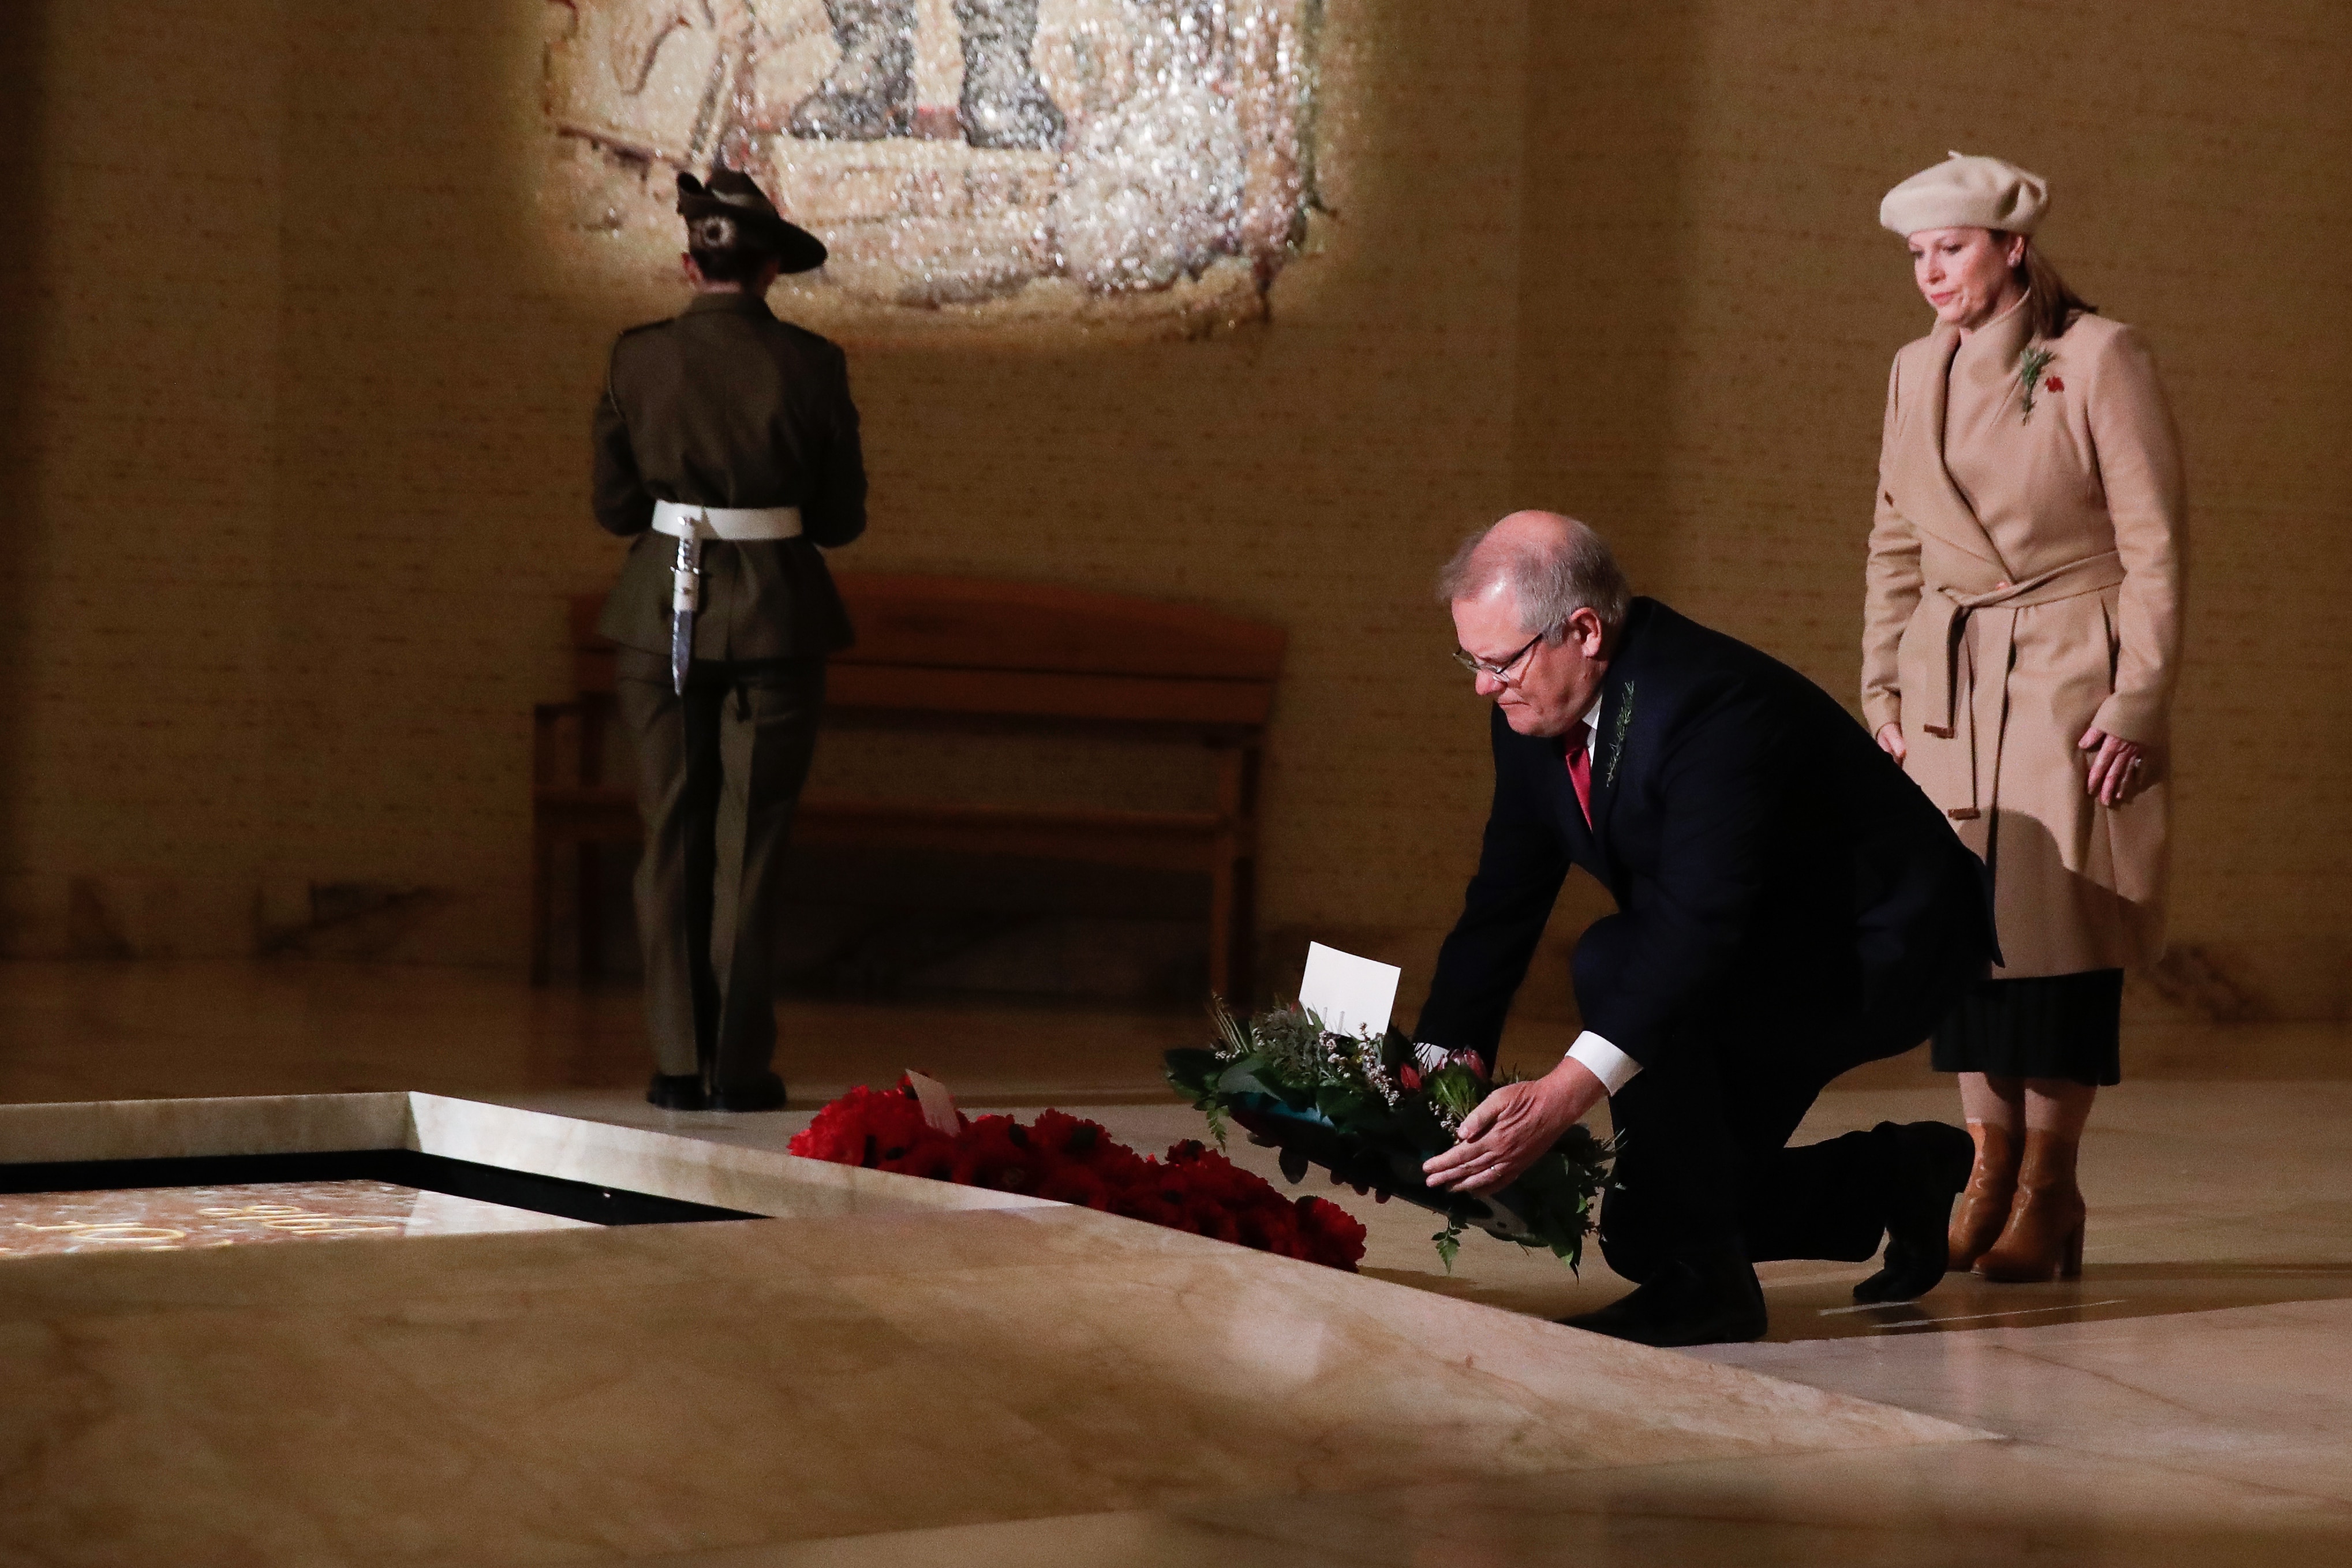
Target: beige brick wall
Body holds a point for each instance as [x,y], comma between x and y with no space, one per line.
[1705,367]
[298,451]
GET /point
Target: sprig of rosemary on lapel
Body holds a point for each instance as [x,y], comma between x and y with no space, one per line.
[2036,361]
[1617,734]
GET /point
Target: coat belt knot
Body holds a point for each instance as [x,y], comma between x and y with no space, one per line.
[2091,574]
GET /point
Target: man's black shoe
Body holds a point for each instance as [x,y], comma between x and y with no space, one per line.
[678,1092]
[1682,1305]
[765,1092]
[1921,1168]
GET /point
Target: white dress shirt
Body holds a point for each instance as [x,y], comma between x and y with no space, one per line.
[1597,1056]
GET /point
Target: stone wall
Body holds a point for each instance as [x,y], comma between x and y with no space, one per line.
[296,409]
[1704,355]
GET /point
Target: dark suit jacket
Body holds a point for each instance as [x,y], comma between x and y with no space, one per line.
[1766,857]
[727,406]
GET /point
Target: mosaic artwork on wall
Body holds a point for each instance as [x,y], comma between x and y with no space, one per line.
[1128,165]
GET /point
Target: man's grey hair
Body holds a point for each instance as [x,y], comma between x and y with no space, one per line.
[1549,581]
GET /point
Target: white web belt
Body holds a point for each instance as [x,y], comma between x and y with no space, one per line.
[734,524]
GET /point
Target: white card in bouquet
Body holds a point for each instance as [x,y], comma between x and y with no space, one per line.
[1352,995]
[938,1105]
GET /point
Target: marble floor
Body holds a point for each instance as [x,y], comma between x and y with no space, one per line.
[1027,1387]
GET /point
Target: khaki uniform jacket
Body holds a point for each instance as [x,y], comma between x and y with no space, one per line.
[2025,584]
[727,406]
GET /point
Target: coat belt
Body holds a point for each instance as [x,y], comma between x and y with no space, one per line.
[2091,574]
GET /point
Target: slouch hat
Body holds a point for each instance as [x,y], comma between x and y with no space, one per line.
[734,193]
[1963,192]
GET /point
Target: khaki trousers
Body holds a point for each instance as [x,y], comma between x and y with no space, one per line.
[718,774]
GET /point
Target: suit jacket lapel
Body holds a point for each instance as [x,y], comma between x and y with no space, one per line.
[1618,740]
[1619,689]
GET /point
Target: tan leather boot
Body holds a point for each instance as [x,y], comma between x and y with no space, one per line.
[1984,1203]
[2044,1233]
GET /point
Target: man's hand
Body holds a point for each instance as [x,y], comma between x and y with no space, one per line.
[1514,1127]
[1890,741]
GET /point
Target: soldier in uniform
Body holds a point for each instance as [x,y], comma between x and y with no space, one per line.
[727,451]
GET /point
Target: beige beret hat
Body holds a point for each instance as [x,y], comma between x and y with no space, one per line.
[1967,193]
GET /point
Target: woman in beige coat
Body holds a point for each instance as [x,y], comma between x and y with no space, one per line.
[2021,636]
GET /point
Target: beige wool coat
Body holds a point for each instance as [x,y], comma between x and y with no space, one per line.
[2025,584]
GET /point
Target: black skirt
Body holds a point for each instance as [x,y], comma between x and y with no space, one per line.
[2052,1026]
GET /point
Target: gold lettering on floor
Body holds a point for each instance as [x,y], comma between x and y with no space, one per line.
[194,1219]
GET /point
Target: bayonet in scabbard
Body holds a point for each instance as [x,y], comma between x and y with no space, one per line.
[685,598]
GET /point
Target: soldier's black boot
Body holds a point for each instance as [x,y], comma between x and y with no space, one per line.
[765,1092]
[871,93]
[678,1092]
[1003,104]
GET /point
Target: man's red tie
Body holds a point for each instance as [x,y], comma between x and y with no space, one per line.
[1579,770]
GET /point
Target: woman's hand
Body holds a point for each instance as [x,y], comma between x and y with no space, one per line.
[2118,766]
[1890,741]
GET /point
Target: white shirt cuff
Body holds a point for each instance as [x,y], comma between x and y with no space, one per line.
[1603,1061]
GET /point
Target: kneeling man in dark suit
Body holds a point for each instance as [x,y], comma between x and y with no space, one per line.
[1789,906]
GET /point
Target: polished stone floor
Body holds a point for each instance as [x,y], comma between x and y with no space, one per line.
[2187,1401]
[2171,1231]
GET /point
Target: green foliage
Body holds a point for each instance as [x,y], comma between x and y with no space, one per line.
[1233,1034]
[2030,369]
[1449,1241]
[1454,1091]
[1192,1073]
[1290,1041]
[1339,1102]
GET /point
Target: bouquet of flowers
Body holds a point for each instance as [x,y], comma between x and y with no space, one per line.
[1369,1111]
[1070,1160]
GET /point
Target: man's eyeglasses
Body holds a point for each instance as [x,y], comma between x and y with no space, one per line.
[1501,672]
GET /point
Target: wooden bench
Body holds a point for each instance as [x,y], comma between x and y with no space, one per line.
[969,653]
